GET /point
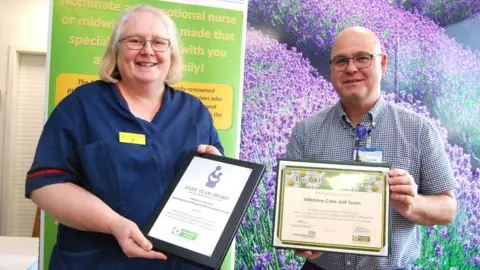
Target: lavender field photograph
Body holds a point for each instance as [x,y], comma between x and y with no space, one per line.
[433,47]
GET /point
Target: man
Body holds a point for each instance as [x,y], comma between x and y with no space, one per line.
[421,181]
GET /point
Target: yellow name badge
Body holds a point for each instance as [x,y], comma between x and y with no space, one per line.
[132,138]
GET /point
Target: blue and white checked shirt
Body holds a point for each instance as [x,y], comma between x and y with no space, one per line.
[409,141]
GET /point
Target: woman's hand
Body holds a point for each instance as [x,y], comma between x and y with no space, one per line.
[208,149]
[131,239]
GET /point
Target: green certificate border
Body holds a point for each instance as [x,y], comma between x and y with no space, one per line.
[325,166]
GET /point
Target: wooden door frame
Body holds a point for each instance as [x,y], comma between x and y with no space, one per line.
[11,102]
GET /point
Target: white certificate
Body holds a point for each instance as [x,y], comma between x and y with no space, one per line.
[199,208]
[337,207]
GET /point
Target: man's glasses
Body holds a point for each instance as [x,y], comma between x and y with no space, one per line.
[361,61]
[138,43]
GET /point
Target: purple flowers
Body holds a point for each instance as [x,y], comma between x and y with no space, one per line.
[281,256]
[429,73]
[280,88]
[445,233]
[475,239]
[443,12]
[467,245]
[429,230]
[264,258]
[292,265]
[439,251]
[423,60]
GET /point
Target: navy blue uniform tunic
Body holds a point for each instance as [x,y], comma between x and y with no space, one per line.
[80,144]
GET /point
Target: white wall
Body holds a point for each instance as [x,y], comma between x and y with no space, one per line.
[23,23]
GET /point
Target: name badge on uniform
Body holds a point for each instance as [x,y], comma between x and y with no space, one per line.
[132,138]
[369,154]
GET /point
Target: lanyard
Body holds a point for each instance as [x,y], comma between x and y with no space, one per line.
[362,133]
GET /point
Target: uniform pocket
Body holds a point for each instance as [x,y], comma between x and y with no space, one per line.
[98,172]
[136,167]
[120,173]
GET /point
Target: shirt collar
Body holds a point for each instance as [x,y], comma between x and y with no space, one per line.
[167,94]
[374,113]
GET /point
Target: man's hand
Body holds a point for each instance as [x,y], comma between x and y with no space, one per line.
[131,239]
[311,255]
[403,192]
[208,149]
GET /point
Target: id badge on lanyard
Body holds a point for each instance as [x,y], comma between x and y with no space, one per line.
[367,153]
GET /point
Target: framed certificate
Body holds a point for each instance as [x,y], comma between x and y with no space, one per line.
[333,207]
[196,220]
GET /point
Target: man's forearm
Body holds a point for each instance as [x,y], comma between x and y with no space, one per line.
[434,209]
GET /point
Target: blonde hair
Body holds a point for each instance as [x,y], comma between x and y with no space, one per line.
[108,67]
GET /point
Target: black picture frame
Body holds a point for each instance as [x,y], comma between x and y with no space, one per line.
[231,227]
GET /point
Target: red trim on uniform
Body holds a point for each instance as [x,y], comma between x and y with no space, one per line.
[44,172]
[121,94]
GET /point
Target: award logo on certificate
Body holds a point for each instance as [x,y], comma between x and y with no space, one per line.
[197,218]
[333,207]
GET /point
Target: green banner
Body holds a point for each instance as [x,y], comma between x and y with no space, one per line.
[213,37]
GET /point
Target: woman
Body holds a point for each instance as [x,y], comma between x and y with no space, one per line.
[110,149]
